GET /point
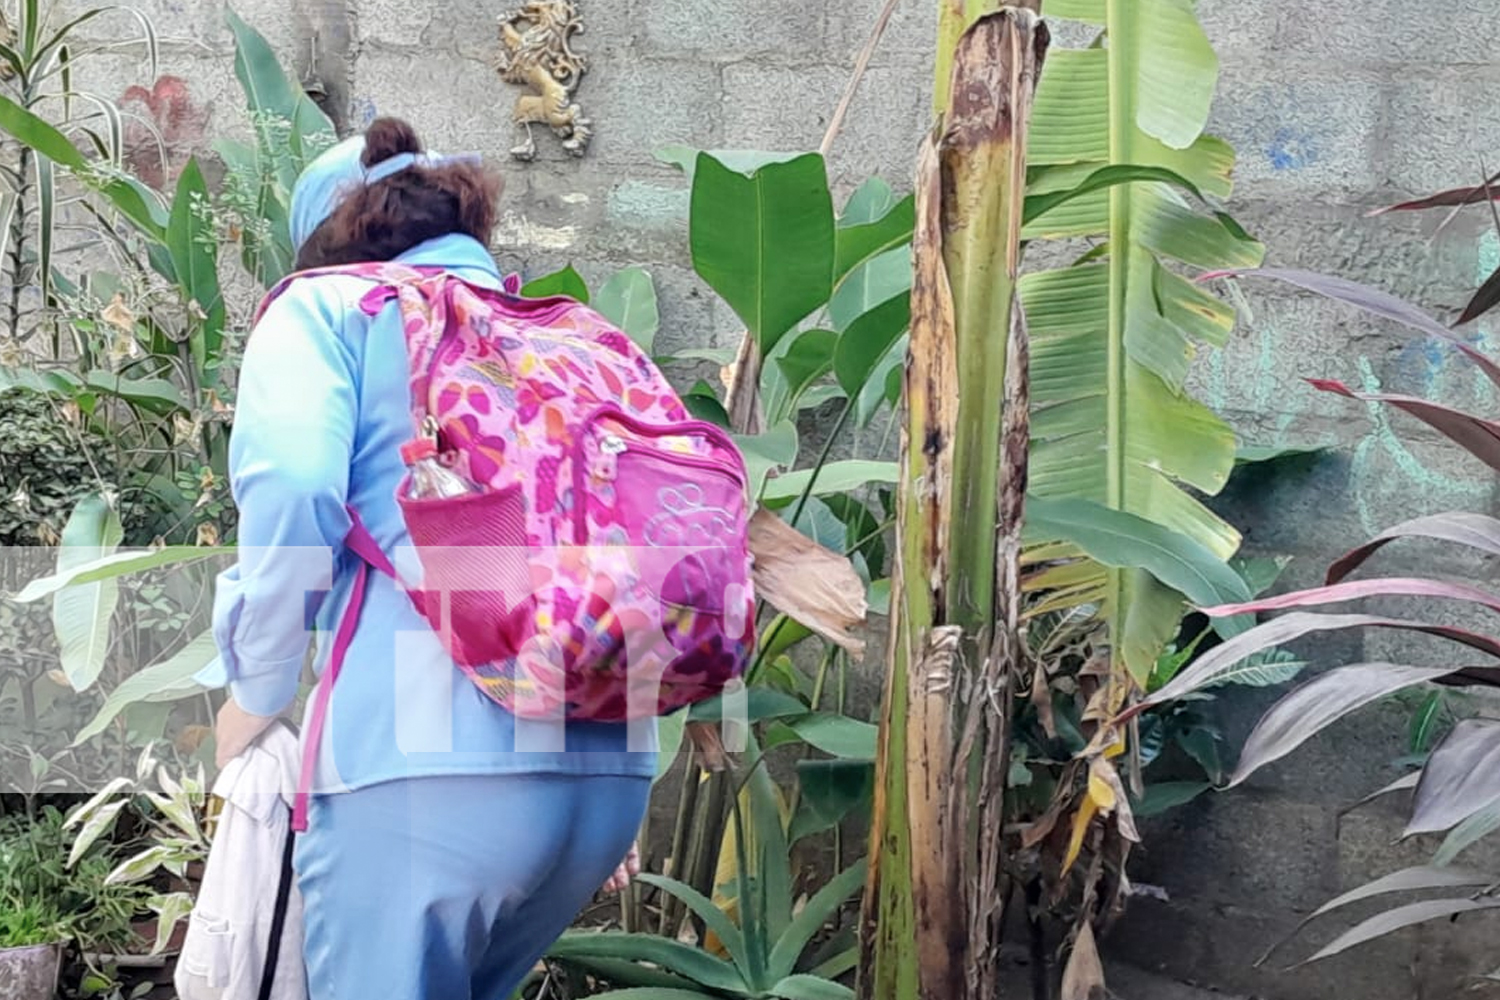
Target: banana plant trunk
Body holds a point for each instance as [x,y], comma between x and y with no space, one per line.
[934,904]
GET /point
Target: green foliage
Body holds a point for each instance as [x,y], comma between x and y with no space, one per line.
[171,835]
[290,132]
[1456,788]
[44,472]
[147,382]
[47,897]
[768,942]
[567,282]
[1113,335]
[47,52]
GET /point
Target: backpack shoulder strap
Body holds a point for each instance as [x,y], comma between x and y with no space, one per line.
[385,274]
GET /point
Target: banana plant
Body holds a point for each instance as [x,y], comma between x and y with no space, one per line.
[1120,450]
[934,905]
[1113,334]
[769,943]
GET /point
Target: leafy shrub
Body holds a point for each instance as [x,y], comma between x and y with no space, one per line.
[43,470]
[40,895]
[1457,787]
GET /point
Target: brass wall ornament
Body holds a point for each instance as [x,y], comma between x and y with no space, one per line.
[536,52]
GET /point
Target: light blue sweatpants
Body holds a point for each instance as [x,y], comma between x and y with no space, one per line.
[451,888]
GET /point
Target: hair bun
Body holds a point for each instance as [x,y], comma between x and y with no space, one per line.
[388,137]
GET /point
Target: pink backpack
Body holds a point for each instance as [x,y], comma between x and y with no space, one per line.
[603,572]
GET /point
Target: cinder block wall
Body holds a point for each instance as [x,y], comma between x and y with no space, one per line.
[1335,108]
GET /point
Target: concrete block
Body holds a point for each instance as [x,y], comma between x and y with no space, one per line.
[403,25]
[687,313]
[1440,127]
[1336,502]
[722,31]
[639,106]
[1237,31]
[912,29]
[199,24]
[1444,954]
[1316,131]
[1240,848]
[550,212]
[611,30]
[1281,343]
[472,112]
[651,211]
[880,134]
[1196,941]
[887,120]
[1383,32]
[1414,256]
[1394,646]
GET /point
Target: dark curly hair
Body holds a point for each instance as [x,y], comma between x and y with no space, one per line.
[381,221]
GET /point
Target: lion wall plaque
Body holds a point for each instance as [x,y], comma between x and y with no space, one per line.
[536,52]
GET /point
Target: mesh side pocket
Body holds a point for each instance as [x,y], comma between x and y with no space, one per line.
[476,588]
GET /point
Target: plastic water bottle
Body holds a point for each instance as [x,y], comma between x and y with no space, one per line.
[430,478]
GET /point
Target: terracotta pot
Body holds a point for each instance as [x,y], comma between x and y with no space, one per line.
[30,973]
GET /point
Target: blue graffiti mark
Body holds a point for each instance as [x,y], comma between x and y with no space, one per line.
[1291,150]
[365,110]
[1420,360]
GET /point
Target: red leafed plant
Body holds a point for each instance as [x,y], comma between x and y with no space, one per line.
[1485,193]
[1457,789]
[164,125]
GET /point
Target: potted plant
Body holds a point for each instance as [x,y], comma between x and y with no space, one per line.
[48,906]
[31,948]
[169,845]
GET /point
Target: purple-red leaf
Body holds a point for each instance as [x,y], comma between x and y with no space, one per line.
[1371,300]
[1409,880]
[1477,531]
[1454,198]
[1479,437]
[1203,671]
[1406,880]
[1396,586]
[1318,704]
[1487,298]
[1401,784]
[1461,777]
[1402,916]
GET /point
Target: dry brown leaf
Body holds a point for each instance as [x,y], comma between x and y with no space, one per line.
[217,405]
[191,738]
[183,429]
[1106,775]
[118,315]
[706,740]
[807,582]
[1040,829]
[208,534]
[1083,979]
[1041,699]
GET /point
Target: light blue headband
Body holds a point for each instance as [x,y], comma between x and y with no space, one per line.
[328,179]
[404,161]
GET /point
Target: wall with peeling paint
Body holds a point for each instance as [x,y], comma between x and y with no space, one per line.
[1334,109]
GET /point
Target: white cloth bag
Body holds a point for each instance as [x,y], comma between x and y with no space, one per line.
[230,929]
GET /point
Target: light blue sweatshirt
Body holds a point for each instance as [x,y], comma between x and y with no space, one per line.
[323,408]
